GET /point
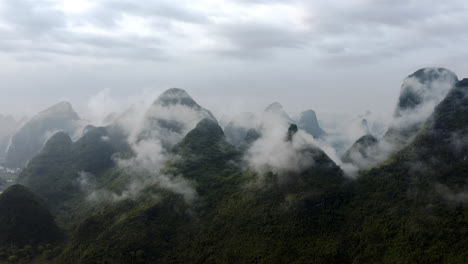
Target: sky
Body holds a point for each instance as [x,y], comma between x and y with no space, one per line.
[333,56]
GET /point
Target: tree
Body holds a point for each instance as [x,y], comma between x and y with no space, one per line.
[13,259]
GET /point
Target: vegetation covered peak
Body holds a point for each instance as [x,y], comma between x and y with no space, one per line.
[424,85]
[60,108]
[174,96]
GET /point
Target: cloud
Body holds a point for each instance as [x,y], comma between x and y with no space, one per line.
[148,126]
[274,153]
[101,106]
[32,17]
[420,93]
[458,197]
[145,168]
[88,185]
[110,11]
[40,27]
[330,31]
[86,181]
[149,158]
[136,188]
[256,40]
[321,51]
[375,30]
[106,108]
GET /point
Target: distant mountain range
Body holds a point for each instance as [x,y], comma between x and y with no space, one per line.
[178,188]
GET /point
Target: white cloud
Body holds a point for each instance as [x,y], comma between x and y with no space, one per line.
[319,52]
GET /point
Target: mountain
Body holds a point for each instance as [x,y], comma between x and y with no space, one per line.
[25,218]
[409,208]
[361,152]
[424,85]
[205,141]
[30,138]
[277,110]
[251,136]
[365,125]
[308,122]
[236,130]
[420,93]
[46,174]
[53,173]
[171,116]
[94,150]
[292,130]
[8,126]
[281,221]
[412,208]
[155,229]
[388,215]
[204,157]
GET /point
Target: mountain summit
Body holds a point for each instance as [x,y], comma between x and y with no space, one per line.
[278,110]
[205,142]
[171,116]
[61,108]
[423,86]
[420,93]
[30,138]
[308,122]
[177,96]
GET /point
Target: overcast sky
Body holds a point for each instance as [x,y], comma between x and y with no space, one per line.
[344,56]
